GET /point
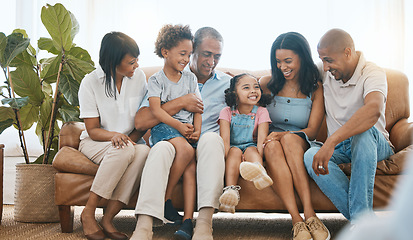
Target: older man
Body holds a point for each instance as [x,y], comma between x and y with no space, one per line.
[207,50]
[355,94]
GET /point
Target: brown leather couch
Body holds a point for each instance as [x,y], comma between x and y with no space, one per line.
[76,172]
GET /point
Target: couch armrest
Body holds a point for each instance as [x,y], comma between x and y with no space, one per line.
[396,162]
[70,134]
[70,160]
[401,134]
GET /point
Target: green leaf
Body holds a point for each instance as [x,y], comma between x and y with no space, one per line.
[30,48]
[16,103]
[22,31]
[29,114]
[6,113]
[7,118]
[80,54]
[27,83]
[3,43]
[47,88]
[24,59]
[44,128]
[69,113]
[39,160]
[45,112]
[50,68]
[39,131]
[77,68]
[47,44]
[58,23]
[52,153]
[75,25]
[69,87]
[16,44]
[5,124]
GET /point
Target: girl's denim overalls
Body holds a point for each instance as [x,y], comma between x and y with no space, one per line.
[242,128]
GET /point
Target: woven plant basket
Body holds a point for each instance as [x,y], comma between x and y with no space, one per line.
[34,194]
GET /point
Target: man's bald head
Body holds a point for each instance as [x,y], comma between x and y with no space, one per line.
[336,50]
[336,40]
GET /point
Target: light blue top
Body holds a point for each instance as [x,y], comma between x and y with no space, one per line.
[289,114]
[213,97]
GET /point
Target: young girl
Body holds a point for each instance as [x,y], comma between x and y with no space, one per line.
[174,45]
[243,127]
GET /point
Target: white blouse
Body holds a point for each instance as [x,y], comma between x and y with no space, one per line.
[115,114]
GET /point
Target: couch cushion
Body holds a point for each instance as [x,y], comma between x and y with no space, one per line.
[391,166]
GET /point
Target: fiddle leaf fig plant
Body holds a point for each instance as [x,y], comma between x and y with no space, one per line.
[42,91]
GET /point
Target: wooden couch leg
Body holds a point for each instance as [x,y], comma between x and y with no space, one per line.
[66,215]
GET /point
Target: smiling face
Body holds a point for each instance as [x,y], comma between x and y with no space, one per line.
[289,63]
[127,66]
[177,57]
[336,62]
[206,58]
[248,91]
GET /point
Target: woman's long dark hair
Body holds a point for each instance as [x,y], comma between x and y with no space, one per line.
[114,46]
[231,95]
[309,75]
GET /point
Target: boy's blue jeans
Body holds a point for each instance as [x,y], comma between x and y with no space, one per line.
[363,151]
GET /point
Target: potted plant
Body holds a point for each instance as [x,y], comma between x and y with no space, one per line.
[42,92]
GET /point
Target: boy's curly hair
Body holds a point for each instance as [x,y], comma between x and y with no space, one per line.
[231,95]
[170,35]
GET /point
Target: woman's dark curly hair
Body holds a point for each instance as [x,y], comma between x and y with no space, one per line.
[170,35]
[231,96]
[309,75]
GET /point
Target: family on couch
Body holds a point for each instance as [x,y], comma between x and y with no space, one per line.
[351,93]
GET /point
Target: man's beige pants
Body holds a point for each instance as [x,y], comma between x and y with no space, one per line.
[119,173]
[210,175]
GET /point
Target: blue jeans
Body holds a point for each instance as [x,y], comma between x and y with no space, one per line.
[363,151]
[164,132]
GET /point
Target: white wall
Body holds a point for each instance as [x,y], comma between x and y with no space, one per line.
[248,27]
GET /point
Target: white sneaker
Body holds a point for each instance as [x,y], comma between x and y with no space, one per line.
[229,199]
[256,173]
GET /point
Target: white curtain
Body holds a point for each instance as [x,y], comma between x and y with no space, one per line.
[382,29]
[379,27]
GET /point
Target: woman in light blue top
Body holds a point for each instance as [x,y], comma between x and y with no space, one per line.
[296,114]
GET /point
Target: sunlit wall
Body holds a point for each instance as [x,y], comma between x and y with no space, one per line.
[382,29]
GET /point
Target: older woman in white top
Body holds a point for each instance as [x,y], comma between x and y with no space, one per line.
[109,98]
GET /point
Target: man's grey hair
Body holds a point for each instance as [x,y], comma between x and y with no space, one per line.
[206,32]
